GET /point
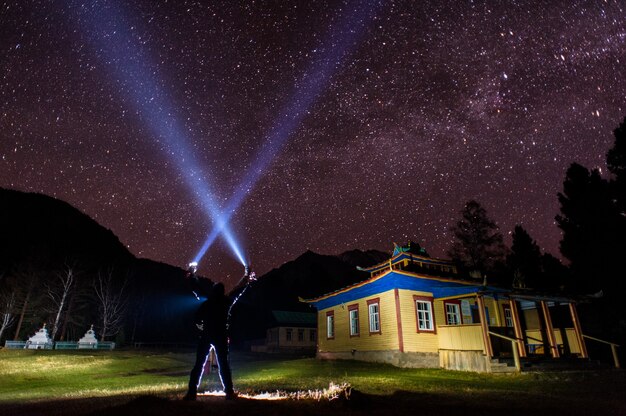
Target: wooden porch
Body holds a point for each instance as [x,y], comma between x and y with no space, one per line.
[533,329]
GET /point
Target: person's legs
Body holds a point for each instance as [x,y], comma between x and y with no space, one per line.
[202,353]
[221,351]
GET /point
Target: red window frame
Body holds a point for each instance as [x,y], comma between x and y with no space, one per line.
[432,312]
[445,310]
[330,313]
[351,308]
[380,321]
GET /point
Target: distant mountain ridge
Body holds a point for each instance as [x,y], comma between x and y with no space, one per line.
[42,233]
[49,231]
[307,276]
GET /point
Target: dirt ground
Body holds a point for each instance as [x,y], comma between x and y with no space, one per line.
[400,403]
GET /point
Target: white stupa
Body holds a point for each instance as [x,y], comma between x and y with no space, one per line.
[40,340]
[89,340]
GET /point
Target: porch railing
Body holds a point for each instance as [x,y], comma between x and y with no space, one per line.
[613,348]
[513,341]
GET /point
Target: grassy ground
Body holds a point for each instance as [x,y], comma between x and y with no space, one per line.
[137,383]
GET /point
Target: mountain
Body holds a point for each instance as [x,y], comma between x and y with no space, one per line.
[39,229]
[40,235]
[307,276]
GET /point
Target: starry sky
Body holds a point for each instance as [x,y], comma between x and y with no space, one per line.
[428,104]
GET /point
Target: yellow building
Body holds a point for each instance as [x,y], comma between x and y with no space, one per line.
[415,311]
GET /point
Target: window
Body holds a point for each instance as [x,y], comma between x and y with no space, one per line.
[508,316]
[374,315]
[424,313]
[289,334]
[353,311]
[330,324]
[312,335]
[300,335]
[453,312]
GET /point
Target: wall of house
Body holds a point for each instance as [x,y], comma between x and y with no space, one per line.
[278,337]
[531,318]
[413,340]
[494,309]
[387,339]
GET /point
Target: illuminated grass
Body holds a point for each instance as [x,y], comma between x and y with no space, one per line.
[27,375]
[52,375]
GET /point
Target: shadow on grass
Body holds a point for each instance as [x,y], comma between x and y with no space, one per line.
[400,403]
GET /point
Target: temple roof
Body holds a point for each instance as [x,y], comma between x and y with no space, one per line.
[411,247]
[398,279]
[413,252]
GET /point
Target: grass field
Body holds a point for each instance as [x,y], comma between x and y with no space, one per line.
[133,383]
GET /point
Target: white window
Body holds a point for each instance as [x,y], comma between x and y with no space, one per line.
[354,321]
[453,314]
[508,317]
[330,325]
[289,334]
[374,313]
[424,315]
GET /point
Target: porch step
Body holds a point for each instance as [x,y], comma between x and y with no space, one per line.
[553,364]
[497,366]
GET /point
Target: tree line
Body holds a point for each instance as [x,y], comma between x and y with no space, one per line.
[68,299]
[592,220]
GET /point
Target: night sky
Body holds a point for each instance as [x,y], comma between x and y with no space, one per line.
[423,106]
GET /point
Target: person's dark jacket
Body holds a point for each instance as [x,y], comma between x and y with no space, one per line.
[212,316]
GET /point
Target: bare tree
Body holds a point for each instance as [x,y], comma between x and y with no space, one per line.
[26,293]
[7,310]
[112,303]
[59,294]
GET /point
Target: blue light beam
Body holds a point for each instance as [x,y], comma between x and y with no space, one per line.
[117,45]
[341,38]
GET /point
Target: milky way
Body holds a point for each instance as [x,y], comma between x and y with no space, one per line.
[434,104]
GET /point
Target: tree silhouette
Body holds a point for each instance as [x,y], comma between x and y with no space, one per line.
[616,162]
[524,260]
[112,303]
[588,220]
[530,268]
[479,246]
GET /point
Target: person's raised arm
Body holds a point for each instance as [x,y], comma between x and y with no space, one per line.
[241,287]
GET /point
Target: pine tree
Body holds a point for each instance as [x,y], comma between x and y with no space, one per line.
[479,245]
[524,260]
[616,162]
[588,219]
[529,267]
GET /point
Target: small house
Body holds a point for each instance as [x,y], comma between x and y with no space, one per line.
[416,311]
[291,332]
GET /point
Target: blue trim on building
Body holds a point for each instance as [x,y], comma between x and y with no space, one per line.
[393,280]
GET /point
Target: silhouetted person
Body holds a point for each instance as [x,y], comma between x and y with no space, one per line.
[211,319]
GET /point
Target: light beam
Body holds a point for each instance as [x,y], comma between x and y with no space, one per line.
[118,47]
[342,37]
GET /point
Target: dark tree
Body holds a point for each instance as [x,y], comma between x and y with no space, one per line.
[531,269]
[554,273]
[616,162]
[524,260]
[588,220]
[479,246]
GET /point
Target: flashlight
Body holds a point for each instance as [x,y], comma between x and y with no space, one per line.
[249,274]
[193,267]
